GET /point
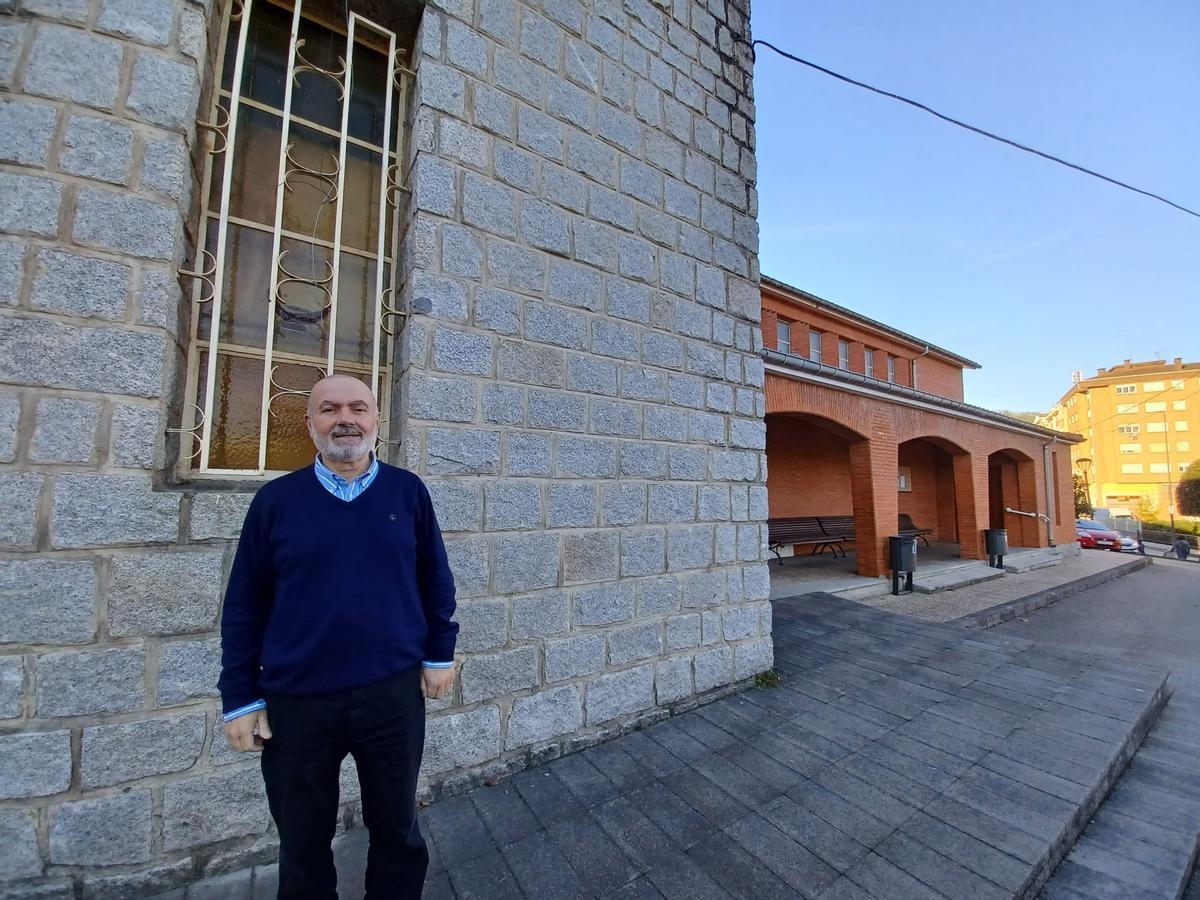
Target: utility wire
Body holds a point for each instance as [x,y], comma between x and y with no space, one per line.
[980,131]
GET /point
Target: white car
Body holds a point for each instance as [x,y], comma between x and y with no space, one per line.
[1128,544]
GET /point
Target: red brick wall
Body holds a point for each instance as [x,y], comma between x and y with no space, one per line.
[935,375]
[808,470]
[889,424]
[938,377]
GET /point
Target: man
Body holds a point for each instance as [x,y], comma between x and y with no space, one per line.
[336,623]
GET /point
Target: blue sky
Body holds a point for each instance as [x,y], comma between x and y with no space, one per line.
[1025,266]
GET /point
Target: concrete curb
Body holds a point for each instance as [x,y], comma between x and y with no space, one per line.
[1010,609]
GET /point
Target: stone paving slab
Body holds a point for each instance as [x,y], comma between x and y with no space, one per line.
[897,759]
[1144,839]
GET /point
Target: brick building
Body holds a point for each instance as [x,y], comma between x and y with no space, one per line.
[529,224]
[865,420]
[1141,427]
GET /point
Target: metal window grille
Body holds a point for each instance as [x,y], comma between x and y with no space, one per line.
[295,261]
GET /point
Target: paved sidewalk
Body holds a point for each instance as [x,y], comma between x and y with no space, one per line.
[949,605]
[897,759]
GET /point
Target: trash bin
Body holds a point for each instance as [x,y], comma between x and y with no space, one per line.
[902,559]
[995,541]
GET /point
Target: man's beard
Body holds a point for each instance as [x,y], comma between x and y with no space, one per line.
[343,451]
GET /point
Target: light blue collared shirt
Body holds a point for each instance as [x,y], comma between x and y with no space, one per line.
[339,486]
[343,490]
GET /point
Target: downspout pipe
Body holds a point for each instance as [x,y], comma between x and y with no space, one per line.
[913,368]
[1048,468]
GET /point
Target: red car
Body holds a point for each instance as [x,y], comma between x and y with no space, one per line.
[1094,536]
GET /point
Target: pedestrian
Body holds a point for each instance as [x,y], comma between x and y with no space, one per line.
[1141,545]
[1181,547]
[337,625]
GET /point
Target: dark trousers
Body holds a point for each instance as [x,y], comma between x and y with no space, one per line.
[382,726]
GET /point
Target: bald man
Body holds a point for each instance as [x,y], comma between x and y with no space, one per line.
[337,624]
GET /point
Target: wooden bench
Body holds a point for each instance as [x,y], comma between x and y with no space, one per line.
[797,530]
[908,529]
[838,526]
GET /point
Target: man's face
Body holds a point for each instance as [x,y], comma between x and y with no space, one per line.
[342,419]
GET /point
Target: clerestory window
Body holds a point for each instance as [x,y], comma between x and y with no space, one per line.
[293,273]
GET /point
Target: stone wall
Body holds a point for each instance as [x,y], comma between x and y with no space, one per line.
[578,382]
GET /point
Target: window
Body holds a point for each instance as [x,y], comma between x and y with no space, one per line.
[1131,468]
[891,369]
[1126,388]
[843,354]
[869,362]
[814,346]
[1131,448]
[1178,405]
[783,336]
[293,284]
[1159,468]
[1126,408]
[1177,384]
[1152,387]
[1158,448]
[1181,425]
[1183,446]
[1159,406]
[1128,429]
[1156,427]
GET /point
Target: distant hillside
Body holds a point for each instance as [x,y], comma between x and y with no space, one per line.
[1016,414]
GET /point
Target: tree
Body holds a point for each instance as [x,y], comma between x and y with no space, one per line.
[1187,492]
[1083,505]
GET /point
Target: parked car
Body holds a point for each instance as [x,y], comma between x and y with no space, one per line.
[1128,544]
[1094,536]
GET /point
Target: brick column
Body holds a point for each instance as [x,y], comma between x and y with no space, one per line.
[971,500]
[857,357]
[1031,499]
[873,488]
[829,348]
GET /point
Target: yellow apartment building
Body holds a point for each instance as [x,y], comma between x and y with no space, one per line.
[1141,427]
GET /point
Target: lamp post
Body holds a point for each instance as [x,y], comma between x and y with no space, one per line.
[1170,489]
[1084,464]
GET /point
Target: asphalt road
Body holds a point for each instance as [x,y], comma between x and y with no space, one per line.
[1151,617]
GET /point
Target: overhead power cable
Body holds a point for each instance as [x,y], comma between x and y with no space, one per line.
[979,131]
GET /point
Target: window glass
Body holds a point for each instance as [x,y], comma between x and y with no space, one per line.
[1181,425]
[1131,468]
[1178,405]
[1151,387]
[783,336]
[891,368]
[843,355]
[1126,388]
[814,346]
[1127,408]
[869,362]
[1183,446]
[1131,448]
[1157,406]
[1156,427]
[1159,468]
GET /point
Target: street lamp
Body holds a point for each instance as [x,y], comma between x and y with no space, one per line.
[1170,489]
[1085,463]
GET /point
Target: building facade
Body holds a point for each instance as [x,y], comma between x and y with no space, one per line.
[866,421]
[528,224]
[1141,427]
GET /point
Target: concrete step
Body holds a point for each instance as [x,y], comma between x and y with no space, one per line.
[1144,839]
[949,579]
[1027,562]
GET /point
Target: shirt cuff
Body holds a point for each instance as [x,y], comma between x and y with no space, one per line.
[428,664]
[244,710]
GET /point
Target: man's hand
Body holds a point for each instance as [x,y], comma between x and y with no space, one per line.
[249,731]
[435,683]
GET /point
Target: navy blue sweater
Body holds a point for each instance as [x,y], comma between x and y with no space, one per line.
[327,594]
